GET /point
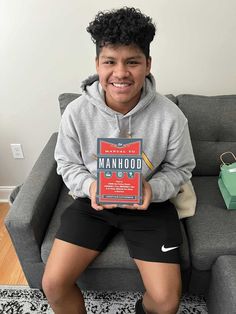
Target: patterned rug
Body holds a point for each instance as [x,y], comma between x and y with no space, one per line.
[22,300]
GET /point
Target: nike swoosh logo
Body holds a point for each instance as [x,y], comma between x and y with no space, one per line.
[167,249]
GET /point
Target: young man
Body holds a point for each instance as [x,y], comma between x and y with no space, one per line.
[121,101]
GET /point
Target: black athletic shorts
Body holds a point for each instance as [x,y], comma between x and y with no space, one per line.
[151,235]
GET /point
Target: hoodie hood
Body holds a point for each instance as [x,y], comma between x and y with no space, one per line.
[94,93]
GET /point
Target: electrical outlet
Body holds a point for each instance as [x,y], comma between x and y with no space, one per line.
[17,151]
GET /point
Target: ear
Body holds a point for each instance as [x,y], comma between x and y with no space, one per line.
[149,63]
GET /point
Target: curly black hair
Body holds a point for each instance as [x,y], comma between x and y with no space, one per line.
[124,26]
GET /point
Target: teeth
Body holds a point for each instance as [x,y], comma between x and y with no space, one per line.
[120,84]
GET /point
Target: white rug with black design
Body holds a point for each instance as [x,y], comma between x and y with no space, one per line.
[22,300]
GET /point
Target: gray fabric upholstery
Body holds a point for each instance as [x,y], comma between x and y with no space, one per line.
[212,128]
[14,194]
[212,231]
[65,99]
[199,281]
[111,279]
[222,292]
[28,217]
[172,98]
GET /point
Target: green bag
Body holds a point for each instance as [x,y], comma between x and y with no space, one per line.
[227,181]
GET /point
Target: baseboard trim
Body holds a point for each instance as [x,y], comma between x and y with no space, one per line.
[5,192]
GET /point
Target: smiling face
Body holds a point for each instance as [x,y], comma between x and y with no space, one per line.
[122,71]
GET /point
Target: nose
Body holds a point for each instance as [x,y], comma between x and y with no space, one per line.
[120,71]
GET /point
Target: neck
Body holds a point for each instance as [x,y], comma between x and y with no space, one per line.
[123,108]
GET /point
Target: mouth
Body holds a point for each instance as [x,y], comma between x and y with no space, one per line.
[121,84]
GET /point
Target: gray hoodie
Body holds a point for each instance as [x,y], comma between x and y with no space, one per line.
[167,151]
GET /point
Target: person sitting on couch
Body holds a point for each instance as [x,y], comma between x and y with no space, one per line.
[121,101]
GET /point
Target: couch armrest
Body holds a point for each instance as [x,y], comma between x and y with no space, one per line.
[30,214]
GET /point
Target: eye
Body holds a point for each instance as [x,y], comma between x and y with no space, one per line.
[132,62]
[108,62]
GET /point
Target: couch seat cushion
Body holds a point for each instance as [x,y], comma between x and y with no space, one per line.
[212,230]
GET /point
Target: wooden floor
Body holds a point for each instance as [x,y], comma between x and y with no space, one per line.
[10,269]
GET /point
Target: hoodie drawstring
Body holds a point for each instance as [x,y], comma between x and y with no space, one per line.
[130,129]
[129,134]
[117,122]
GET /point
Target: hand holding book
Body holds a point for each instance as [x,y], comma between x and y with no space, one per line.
[147,197]
[93,191]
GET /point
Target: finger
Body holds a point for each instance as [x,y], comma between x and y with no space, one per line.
[141,207]
[95,205]
[129,207]
[132,207]
[110,206]
[145,204]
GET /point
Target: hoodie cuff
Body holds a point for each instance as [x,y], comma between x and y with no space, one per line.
[161,190]
[86,186]
[155,192]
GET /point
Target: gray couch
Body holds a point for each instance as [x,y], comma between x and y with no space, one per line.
[34,217]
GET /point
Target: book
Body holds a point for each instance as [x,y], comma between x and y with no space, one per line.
[119,171]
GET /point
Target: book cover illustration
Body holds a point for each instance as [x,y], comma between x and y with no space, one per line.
[119,171]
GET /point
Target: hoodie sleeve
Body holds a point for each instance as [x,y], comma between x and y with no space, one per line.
[69,159]
[176,168]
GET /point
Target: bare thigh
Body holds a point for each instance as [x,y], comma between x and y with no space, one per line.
[67,261]
[160,279]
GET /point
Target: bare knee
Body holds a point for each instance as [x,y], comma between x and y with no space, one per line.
[162,302]
[169,302]
[54,288]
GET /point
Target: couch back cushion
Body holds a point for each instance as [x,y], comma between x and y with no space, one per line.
[212,124]
[65,99]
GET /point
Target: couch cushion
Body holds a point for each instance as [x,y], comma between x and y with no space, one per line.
[116,255]
[222,291]
[172,98]
[65,99]
[212,231]
[212,128]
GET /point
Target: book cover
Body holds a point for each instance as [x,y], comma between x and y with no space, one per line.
[119,171]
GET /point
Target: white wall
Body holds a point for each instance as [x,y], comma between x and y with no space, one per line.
[45,50]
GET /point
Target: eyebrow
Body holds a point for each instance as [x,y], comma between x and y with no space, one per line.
[112,58]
